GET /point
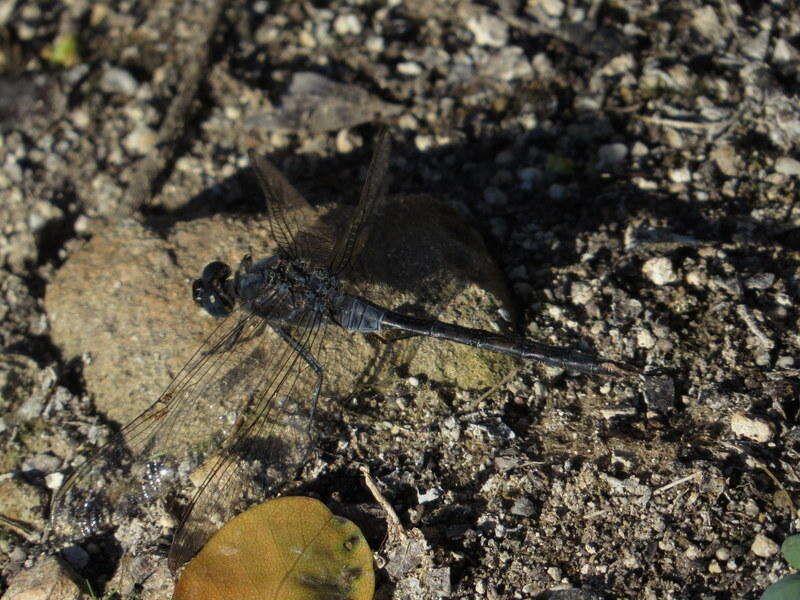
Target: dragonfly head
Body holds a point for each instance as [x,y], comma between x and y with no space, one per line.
[214,290]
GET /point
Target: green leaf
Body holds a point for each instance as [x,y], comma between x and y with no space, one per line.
[791,550]
[787,588]
[64,51]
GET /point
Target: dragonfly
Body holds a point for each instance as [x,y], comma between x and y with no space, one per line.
[238,418]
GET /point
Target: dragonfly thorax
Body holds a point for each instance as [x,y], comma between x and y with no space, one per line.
[281,288]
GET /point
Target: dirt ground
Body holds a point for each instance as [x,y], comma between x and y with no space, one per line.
[623,174]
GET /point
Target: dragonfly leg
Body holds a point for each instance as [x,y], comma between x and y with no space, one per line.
[300,349]
[306,356]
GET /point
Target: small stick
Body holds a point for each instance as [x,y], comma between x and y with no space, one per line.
[20,528]
[747,316]
[677,482]
[681,124]
[391,516]
[509,376]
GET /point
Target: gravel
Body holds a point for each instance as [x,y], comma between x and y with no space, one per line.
[631,167]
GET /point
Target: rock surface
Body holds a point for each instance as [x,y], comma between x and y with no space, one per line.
[125,298]
[50,579]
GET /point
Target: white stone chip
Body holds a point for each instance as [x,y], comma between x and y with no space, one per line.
[488,30]
[659,270]
[750,428]
[763,546]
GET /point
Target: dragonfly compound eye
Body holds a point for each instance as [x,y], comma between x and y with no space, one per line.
[214,291]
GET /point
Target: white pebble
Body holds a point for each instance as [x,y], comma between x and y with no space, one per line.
[141,140]
[409,68]
[786,165]
[763,546]
[753,429]
[347,25]
[488,30]
[681,175]
[53,481]
[580,293]
[659,270]
[408,121]
[554,8]
[639,149]
[375,44]
[645,339]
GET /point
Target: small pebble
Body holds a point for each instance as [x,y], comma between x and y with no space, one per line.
[674,138]
[375,43]
[53,481]
[727,160]
[488,30]
[639,150]
[786,165]
[408,121]
[141,140]
[41,463]
[523,507]
[580,293]
[76,556]
[713,567]
[659,270]
[81,118]
[555,573]
[30,409]
[554,8]
[344,145]
[409,68]
[645,339]
[118,81]
[762,281]
[763,546]
[347,25]
[784,52]
[413,381]
[17,555]
[428,496]
[682,175]
[706,22]
[750,428]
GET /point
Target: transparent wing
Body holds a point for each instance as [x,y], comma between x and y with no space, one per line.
[159,449]
[271,441]
[293,222]
[372,195]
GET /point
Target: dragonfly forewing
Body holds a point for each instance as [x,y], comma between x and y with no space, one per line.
[269,444]
[295,224]
[159,449]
